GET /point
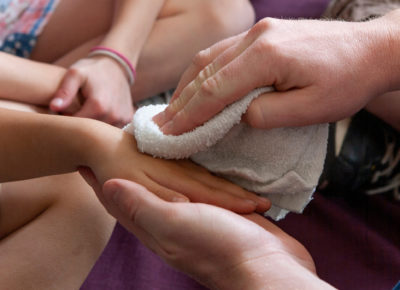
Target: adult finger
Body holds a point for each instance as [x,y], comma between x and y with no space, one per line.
[202,59]
[297,107]
[205,64]
[236,79]
[67,91]
[220,83]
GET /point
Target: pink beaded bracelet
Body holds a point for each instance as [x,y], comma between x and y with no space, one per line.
[120,58]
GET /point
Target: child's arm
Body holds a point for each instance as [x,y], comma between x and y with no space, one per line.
[35,145]
[102,80]
[134,20]
[27,81]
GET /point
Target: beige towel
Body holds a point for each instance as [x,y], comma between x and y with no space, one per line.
[282,164]
[359,10]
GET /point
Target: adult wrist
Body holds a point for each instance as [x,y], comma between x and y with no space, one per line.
[384,33]
[394,53]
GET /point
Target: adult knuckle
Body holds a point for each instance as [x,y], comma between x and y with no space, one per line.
[201,59]
[207,72]
[263,46]
[261,26]
[209,88]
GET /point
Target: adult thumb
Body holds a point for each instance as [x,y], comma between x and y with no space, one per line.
[293,108]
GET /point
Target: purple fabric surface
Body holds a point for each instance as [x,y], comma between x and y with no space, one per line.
[289,8]
[127,264]
[355,243]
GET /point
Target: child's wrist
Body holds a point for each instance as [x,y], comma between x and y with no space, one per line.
[91,136]
[117,57]
[101,147]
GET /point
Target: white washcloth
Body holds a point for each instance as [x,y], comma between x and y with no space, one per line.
[282,164]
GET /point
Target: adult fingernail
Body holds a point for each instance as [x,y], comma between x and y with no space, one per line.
[167,128]
[265,202]
[252,202]
[159,118]
[57,102]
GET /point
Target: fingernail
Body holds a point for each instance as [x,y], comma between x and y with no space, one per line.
[167,128]
[159,118]
[57,102]
[265,202]
[252,202]
[179,199]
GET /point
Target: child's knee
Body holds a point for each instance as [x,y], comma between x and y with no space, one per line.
[66,197]
[229,17]
[77,197]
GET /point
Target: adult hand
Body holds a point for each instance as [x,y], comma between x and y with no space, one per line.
[104,87]
[322,71]
[220,249]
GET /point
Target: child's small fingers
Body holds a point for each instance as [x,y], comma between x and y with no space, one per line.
[198,192]
[226,188]
[224,185]
[165,193]
[67,91]
[203,192]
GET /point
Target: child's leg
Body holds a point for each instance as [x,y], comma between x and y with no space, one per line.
[52,230]
[73,23]
[12,105]
[182,29]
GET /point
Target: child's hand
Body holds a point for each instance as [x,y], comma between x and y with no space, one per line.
[170,180]
[104,88]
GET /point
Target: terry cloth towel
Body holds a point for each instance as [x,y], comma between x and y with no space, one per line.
[282,164]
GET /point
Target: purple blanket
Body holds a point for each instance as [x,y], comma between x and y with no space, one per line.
[355,242]
[289,8]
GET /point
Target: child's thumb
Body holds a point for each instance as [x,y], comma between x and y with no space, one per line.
[67,91]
